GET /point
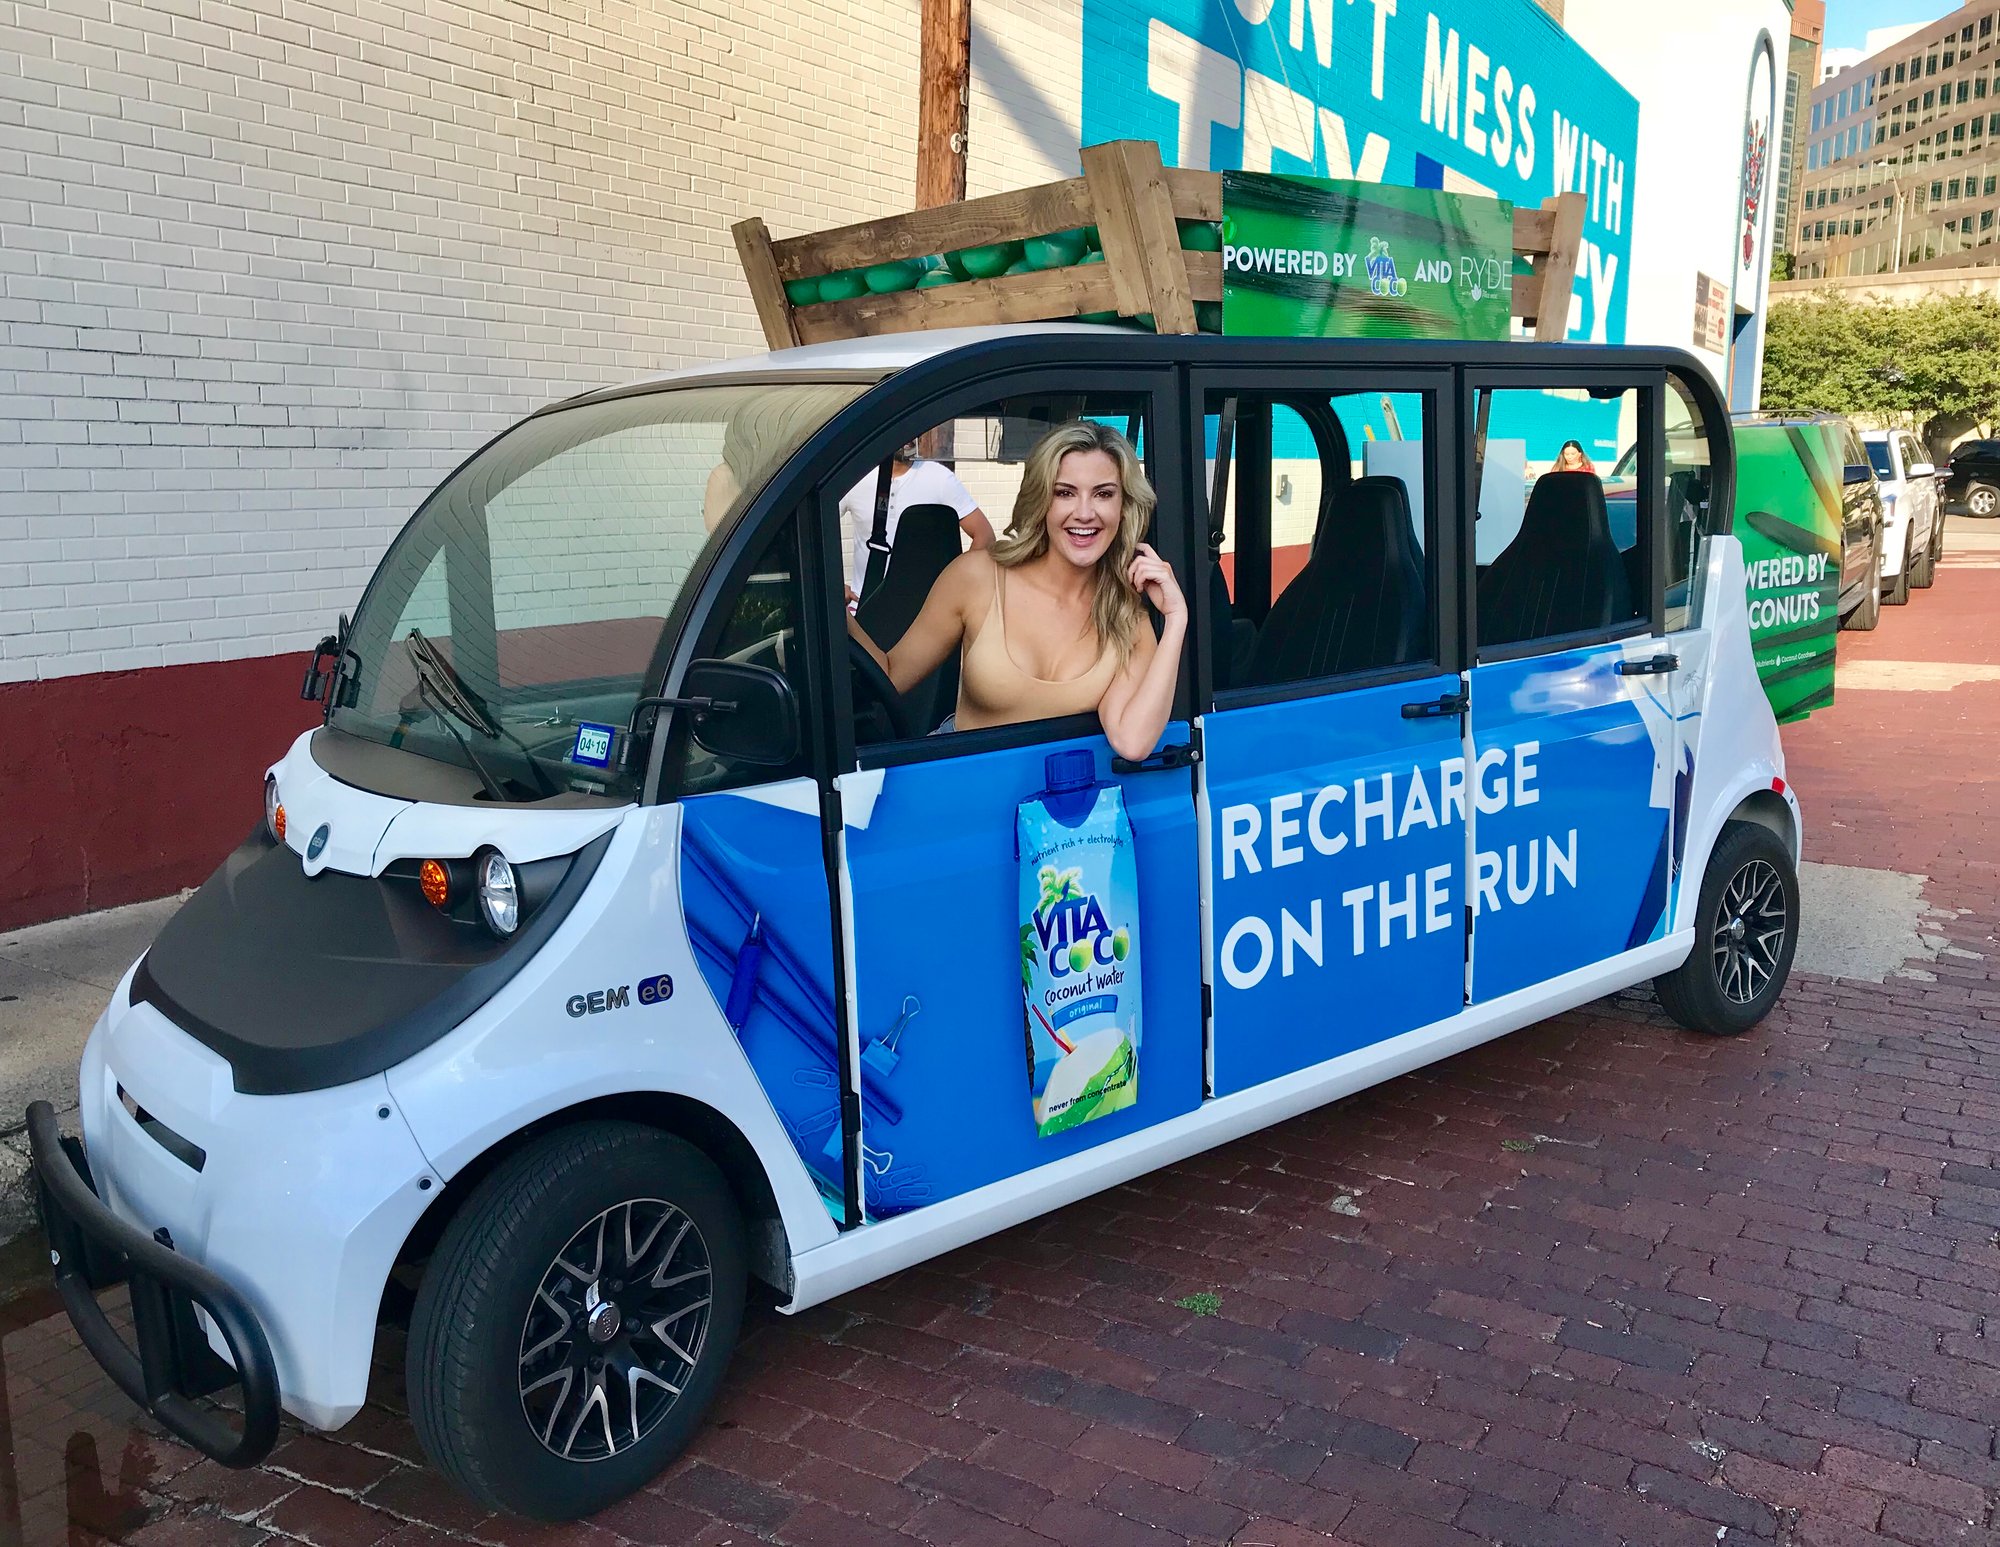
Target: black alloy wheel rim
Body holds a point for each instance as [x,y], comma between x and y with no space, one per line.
[1750,930]
[615,1330]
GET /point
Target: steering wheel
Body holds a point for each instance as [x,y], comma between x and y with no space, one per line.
[874,685]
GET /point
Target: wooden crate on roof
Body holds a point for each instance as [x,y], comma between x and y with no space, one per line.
[1136,204]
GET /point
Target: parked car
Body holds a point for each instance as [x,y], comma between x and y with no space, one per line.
[626,932]
[1912,515]
[1973,484]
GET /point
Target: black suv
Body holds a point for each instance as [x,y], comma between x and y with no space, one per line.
[1973,485]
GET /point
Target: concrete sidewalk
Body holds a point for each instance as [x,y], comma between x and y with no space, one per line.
[55,980]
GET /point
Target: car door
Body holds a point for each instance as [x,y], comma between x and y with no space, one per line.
[1332,777]
[752,864]
[1571,753]
[948,958]
[1921,490]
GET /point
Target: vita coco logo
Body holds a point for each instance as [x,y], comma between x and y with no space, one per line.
[1071,929]
[1382,276]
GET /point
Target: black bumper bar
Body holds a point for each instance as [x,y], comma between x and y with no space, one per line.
[93,1249]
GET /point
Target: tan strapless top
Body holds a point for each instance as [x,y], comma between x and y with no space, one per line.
[993,690]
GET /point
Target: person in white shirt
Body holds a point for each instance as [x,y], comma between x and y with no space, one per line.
[913,481]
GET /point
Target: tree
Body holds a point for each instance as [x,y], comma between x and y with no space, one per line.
[1934,364]
[1783,266]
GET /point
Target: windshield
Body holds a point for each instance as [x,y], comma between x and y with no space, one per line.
[1878,454]
[515,622]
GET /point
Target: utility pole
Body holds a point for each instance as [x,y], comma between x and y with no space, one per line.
[944,82]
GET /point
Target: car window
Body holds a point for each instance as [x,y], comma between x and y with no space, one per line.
[1320,553]
[758,626]
[960,490]
[1560,549]
[1686,481]
[1882,458]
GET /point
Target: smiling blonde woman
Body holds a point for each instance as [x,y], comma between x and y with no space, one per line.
[1052,620]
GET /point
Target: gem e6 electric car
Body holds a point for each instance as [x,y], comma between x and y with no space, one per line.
[624,936]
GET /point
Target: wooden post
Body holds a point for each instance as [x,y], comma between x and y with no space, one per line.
[944,77]
[1135,223]
[1557,271]
[767,291]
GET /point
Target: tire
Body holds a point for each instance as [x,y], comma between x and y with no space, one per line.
[533,1272]
[1982,499]
[1898,594]
[1868,612]
[1735,973]
[1933,551]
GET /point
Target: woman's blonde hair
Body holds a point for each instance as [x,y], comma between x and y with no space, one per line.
[1118,610]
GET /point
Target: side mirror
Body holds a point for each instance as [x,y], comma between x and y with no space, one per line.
[751,714]
[1921,470]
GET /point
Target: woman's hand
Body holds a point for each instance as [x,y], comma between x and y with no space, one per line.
[1153,578]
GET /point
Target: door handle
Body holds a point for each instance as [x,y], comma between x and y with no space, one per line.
[1437,708]
[1181,754]
[1658,665]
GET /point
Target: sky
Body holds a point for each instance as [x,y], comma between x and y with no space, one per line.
[1848,21]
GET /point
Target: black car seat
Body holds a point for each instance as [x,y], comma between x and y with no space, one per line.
[926,540]
[1562,573]
[1361,601]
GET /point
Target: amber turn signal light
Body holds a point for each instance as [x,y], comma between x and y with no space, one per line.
[435,882]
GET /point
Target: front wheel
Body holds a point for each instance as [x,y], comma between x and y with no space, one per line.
[576,1320]
[1933,551]
[1746,928]
[1898,594]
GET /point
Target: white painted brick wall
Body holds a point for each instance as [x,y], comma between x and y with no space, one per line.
[270,268]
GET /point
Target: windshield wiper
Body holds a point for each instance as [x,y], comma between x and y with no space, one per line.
[445,694]
[459,699]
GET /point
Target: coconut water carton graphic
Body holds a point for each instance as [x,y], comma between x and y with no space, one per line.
[1079,946]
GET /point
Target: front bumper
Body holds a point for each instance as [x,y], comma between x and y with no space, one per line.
[92,1249]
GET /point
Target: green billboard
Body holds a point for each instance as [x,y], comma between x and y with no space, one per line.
[1788,486]
[1316,257]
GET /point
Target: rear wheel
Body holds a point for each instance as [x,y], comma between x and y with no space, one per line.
[576,1320]
[1746,928]
[1982,499]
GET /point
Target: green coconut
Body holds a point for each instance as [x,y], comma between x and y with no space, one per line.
[1057,250]
[844,285]
[985,262]
[935,277]
[1201,235]
[901,274]
[802,292]
[1208,316]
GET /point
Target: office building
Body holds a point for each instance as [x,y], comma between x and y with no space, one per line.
[1902,163]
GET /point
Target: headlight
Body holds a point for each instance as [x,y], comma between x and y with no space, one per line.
[499,894]
[274,811]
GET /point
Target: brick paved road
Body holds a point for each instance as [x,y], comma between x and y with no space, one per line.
[1601,1282]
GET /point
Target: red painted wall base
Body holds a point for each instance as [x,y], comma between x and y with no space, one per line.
[119,786]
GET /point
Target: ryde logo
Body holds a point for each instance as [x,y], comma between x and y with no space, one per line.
[317,843]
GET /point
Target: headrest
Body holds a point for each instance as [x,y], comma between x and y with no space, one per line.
[1371,518]
[1565,511]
